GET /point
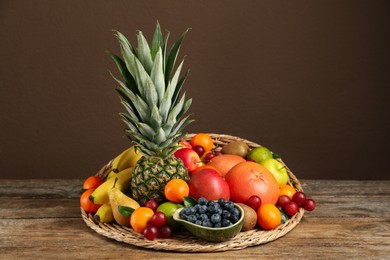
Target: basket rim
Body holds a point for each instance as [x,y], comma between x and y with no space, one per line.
[184,241]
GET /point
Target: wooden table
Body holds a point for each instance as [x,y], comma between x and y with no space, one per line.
[40,219]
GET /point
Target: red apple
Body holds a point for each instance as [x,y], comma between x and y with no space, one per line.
[209,184]
[189,157]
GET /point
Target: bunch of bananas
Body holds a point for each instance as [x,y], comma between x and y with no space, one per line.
[112,192]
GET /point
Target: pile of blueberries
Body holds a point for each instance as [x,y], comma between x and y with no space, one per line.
[212,213]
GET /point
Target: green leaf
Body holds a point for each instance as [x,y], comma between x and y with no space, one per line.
[172,55]
[179,87]
[157,41]
[155,118]
[143,51]
[146,131]
[127,53]
[157,75]
[276,156]
[129,80]
[125,211]
[164,54]
[189,202]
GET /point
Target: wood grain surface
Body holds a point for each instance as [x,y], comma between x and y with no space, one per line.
[40,219]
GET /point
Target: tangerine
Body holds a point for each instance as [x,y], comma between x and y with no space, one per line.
[287,190]
[140,218]
[204,140]
[225,162]
[176,189]
[268,216]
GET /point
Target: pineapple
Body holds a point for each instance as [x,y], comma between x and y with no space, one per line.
[155,111]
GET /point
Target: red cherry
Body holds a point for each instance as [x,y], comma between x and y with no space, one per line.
[299,197]
[309,205]
[254,202]
[283,200]
[152,204]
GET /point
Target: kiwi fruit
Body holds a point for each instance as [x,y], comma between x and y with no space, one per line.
[239,148]
[250,217]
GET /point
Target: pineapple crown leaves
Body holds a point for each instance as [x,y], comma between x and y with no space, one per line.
[150,91]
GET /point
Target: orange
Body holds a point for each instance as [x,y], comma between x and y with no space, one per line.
[268,216]
[176,189]
[287,190]
[225,162]
[92,182]
[203,140]
[86,203]
[140,218]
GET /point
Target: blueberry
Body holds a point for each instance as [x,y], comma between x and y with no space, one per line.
[207,223]
[235,212]
[226,214]
[202,209]
[210,209]
[219,211]
[229,205]
[226,222]
[191,218]
[211,202]
[191,211]
[234,218]
[198,222]
[215,218]
[202,201]
[183,213]
[196,207]
[218,225]
[221,202]
[203,217]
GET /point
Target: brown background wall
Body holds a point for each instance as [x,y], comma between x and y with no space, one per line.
[308,79]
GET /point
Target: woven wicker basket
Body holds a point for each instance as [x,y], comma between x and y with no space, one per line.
[184,241]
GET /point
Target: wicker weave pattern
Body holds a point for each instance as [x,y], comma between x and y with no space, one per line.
[184,241]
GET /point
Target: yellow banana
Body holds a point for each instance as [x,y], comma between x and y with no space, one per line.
[100,195]
[128,158]
[104,214]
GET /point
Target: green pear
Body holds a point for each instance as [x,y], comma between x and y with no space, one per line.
[277,169]
[118,198]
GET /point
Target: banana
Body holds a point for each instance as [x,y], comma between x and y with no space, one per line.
[104,214]
[100,195]
[128,158]
[111,174]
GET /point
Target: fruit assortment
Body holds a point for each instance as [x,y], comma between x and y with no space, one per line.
[209,199]
[165,181]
